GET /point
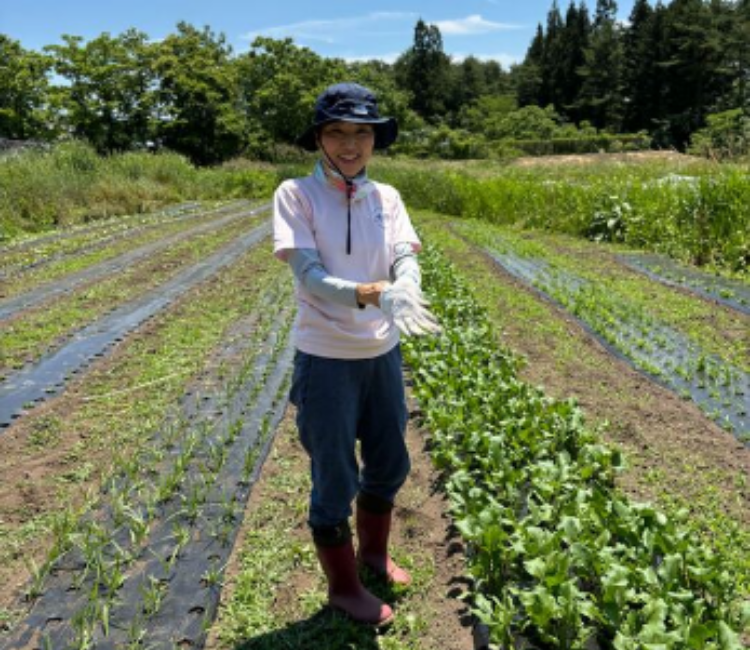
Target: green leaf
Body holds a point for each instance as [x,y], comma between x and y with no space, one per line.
[728,638]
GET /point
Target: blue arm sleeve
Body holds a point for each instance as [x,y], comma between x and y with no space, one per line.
[405,264]
[311,274]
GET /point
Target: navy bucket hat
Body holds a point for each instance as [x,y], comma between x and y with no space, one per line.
[349,102]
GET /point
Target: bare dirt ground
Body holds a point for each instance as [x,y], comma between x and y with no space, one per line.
[421,531]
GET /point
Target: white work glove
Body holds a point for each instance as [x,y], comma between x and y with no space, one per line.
[404,303]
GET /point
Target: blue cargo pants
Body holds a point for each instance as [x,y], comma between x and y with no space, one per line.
[340,401]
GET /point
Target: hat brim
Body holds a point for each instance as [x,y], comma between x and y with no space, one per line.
[386,132]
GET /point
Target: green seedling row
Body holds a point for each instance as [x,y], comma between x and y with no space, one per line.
[558,556]
[67,273]
[43,250]
[117,415]
[721,389]
[32,334]
[718,331]
[169,500]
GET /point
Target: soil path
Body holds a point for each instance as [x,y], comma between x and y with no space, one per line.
[429,614]
[672,447]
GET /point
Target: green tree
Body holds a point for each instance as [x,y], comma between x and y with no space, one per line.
[641,76]
[601,96]
[496,80]
[726,136]
[552,65]
[108,96]
[199,110]
[24,97]
[424,69]
[469,82]
[737,51]
[739,45]
[695,60]
[280,82]
[527,77]
[574,42]
[527,123]
[484,114]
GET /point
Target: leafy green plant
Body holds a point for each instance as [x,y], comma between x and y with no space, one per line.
[559,558]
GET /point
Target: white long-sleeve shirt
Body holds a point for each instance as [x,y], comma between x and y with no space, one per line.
[310,213]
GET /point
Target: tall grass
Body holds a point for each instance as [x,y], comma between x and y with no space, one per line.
[70,184]
[693,211]
[697,213]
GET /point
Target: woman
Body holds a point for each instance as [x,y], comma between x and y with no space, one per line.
[352,248]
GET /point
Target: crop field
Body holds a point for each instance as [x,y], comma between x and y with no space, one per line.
[579,432]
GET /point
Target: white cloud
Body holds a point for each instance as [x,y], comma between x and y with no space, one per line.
[471,25]
[331,31]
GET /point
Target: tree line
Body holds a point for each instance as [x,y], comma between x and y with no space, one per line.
[664,72]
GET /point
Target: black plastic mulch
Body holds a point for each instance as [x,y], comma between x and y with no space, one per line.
[730,293]
[34,384]
[188,587]
[49,290]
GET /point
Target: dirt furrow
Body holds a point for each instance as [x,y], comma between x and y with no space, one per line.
[40,252]
[50,290]
[237,414]
[48,377]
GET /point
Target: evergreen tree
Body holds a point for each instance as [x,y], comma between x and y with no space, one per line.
[425,70]
[698,74]
[553,56]
[641,75]
[733,25]
[740,45]
[527,77]
[496,80]
[606,13]
[575,38]
[470,81]
[601,97]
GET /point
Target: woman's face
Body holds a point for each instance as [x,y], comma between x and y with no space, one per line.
[349,145]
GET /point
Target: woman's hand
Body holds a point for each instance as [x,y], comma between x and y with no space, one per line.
[369,293]
[404,303]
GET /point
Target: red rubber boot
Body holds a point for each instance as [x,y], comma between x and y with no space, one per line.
[373,530]
[346,592]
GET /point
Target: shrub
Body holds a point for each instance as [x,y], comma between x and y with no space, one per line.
[726,137]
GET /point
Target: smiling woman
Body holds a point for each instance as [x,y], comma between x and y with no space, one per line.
[352,248]
[347,146]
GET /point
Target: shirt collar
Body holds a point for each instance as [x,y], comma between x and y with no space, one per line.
[362,186]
